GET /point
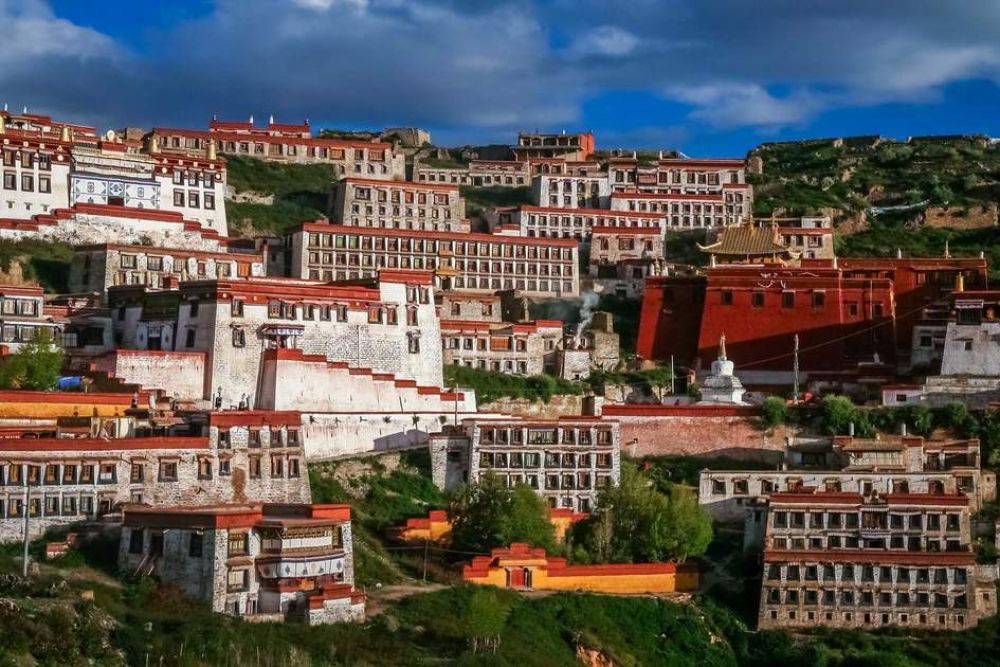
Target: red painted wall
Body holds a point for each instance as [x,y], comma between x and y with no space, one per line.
[670,318]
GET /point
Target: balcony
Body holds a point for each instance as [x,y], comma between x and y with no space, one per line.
[290,567]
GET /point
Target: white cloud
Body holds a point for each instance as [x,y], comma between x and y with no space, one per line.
[604,41]
[324,5]
[735,104]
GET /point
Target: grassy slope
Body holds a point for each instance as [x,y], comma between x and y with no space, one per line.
[42,261]
[802,178]
[300,193]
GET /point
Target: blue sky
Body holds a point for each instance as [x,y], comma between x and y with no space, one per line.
[709,78]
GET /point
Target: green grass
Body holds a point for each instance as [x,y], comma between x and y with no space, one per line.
[804,177]
[491,385]
[269,219]
[480,200]
[300,191]
[46,262]
[380,499]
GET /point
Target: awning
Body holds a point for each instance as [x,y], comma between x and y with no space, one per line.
[283,330]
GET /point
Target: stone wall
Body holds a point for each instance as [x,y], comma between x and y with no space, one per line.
[556,406]
[93,225]
[694,431]
[180,375]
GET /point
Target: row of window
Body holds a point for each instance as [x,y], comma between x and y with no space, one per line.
[544,436]
[551,459]
[895,542]
[194,178]
[869,520]
[27,181]
[829,572]
[397,195]
[498,366]
[472,266]
[588,222]
[466,178]
[194,199]
[27,159]
[156,263]
[557,481]
[679,176]
[742,487]
[50,506]
[461,282]
[469,248]
[851,598]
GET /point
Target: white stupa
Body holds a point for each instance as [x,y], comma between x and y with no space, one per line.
[721,387]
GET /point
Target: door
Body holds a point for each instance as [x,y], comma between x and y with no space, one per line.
[156,544]
[515,578]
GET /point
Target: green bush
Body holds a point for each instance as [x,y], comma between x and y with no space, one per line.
[491,385]
[774,411]
[488,514]
[35,366]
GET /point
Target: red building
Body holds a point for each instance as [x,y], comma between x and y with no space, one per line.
[860,310]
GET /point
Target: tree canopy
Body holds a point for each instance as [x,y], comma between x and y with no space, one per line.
[636,523]
[35,366]
[488,514]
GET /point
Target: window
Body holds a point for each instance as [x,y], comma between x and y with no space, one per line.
[788,299]
[168,471]
[237,308]
[727,297]
[253,464]
[210,202]
[204,468]
[237,544]
[277,466]
[237,580]
[138,473]
[195,545]
[178,198]
[135,540]
[239,338]
[189,338]
[819,299]
[757,299]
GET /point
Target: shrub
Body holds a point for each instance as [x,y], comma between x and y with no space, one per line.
[774,411]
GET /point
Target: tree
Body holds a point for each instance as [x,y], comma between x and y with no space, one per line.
[920,418]
[659,378]
[837,413]
[35,366]
[488,514]
[636,523]
[774,411]
[485,618]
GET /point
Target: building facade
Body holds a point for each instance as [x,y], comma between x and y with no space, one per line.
[571,191]
[902,464]
[690,211]
[621,258]
[545,221]
[388,326]
[478,173]
[70,480]
[399,205]
[524,348]
[95,268]
[567,461]
[261,562]
[862,561]
[675,175]
[468,262]
[279,142]
[573,147]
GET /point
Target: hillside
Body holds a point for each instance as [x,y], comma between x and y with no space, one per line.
[269,197]
[80,611]
[855,173]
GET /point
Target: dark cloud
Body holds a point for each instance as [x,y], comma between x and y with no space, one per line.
[466,66]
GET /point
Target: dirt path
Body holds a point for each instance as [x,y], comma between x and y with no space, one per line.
[380,599]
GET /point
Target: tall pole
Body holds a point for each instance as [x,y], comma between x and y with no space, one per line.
[671,375]
[795,373]
[24,569]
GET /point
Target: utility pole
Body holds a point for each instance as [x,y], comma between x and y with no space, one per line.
[426,546]
[671,375]
[24,570]
[795,373]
